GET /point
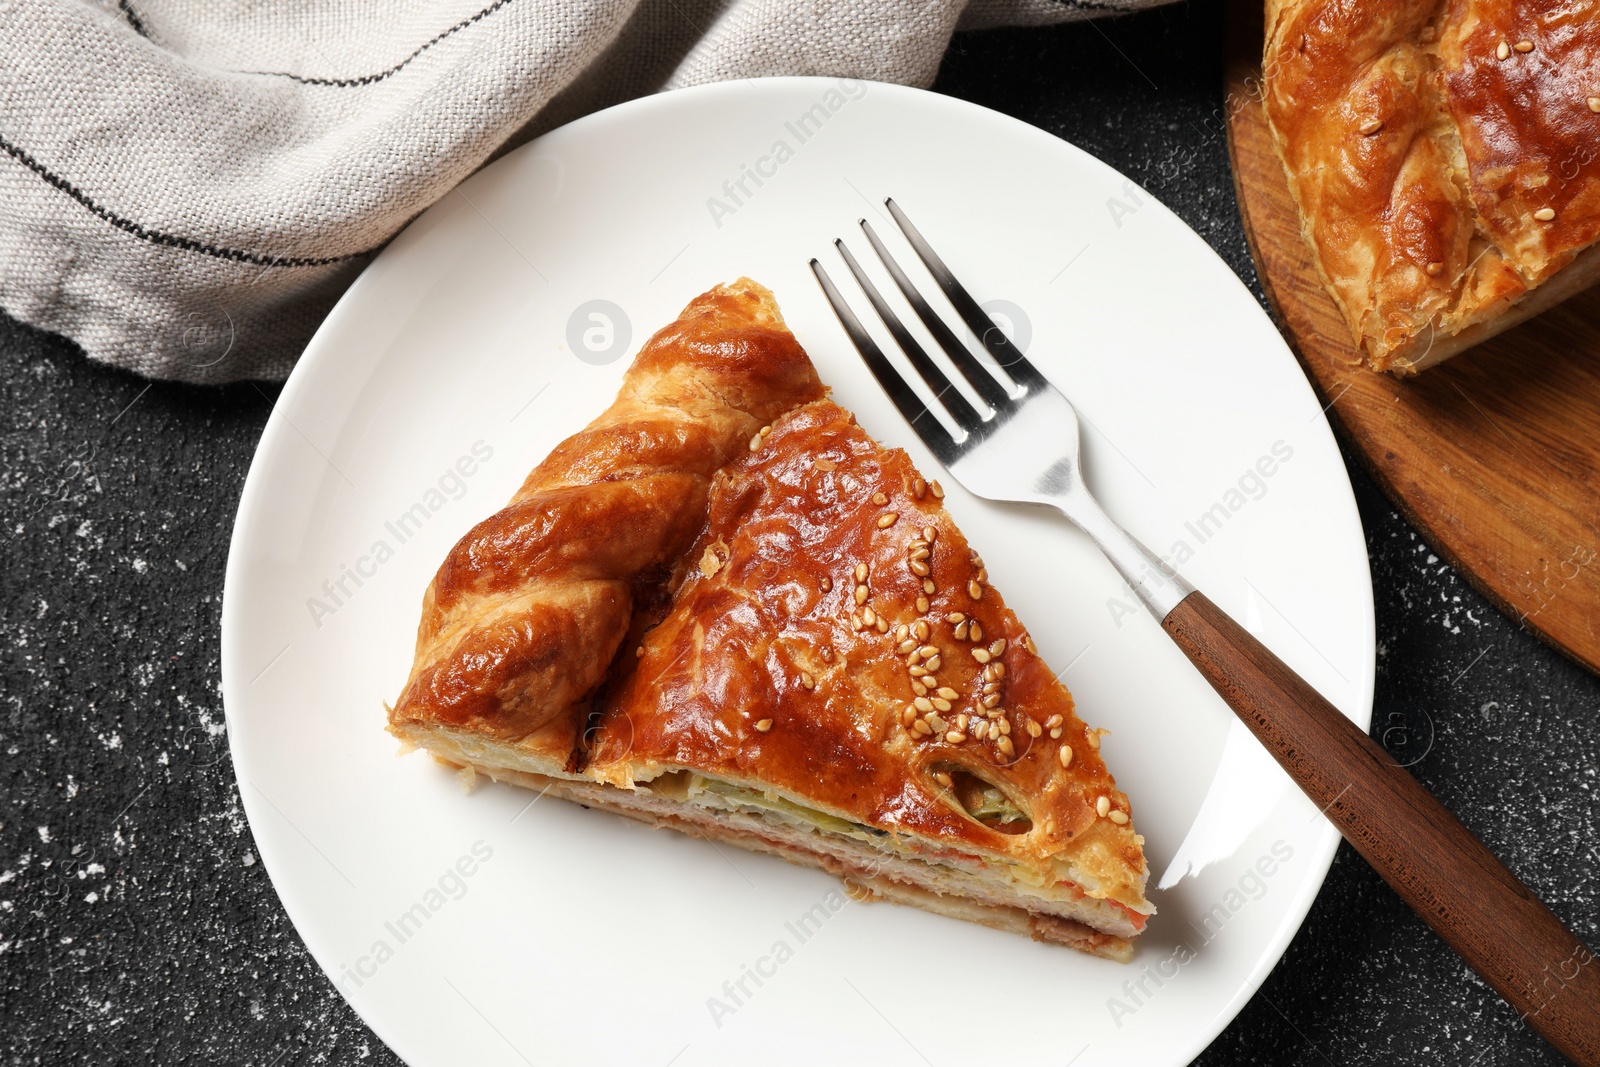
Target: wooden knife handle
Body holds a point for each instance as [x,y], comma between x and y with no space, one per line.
[1458,887]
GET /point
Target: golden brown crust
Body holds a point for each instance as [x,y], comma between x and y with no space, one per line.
[1442,154]
[789,526]
[521,621]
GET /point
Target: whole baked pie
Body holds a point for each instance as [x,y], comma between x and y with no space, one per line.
[724,609]
[1443,155]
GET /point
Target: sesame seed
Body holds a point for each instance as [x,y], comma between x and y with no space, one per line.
[1523,46]
[928,586]
[1434,269]
[918,487]
[922,604]
[990,687]
[999,670]
[955,737]
[923,704]
[929,651]
[943,779]
[755,443]
[998,648]
[638,651]
[1370,127]
[1094,739]
[1049,824]
[975,631]
[918,671]
[861,594]
[908,715]
[883,625]
[961,631]
[855,621]
[929,534]
[921,630]
[765,429]
[1502,50]
[1102,806]
[920,553]
[981,655]
[922,728]
[1064,754]
[862,570]
[1005,726]
[919,568]
[902,632]
[1594,104]
[880,499]
[805,680]
[886,520]
[974,590]
[980,729]
[763,726]
[1119,817]
[1545,214]
[941,703]
[1053,721]
[955,617]
[1055,735]
[906,647]
[1034,729]
[868,617]
[1005,746]
[937,490]
[948,693]
[934,662]
[988,673]
[990,700]
[918,688]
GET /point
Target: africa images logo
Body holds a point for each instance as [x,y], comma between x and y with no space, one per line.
[741,188]
[451,485]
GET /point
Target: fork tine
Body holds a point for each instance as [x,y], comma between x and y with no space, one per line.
[965,415]
[992,391]
[994,339]
[912,409]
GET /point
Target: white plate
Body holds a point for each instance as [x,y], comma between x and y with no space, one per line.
[578,937]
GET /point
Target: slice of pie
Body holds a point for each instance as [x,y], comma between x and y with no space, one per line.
[1445,159]
[724,609]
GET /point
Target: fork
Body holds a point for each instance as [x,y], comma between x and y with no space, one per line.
[1024,449]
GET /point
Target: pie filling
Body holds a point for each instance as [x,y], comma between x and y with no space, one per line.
[895,866]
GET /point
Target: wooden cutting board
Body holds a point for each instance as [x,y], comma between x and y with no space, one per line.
[1494,455]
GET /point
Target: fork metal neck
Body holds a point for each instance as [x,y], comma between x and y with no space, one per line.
[1159,586]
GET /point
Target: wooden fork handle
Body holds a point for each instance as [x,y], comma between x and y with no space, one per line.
[1458,887]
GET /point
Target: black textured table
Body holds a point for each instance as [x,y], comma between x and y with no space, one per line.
[137,925]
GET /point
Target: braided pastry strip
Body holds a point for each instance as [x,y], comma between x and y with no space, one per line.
[520,624]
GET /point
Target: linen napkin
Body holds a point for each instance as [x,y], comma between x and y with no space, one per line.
[186,186]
